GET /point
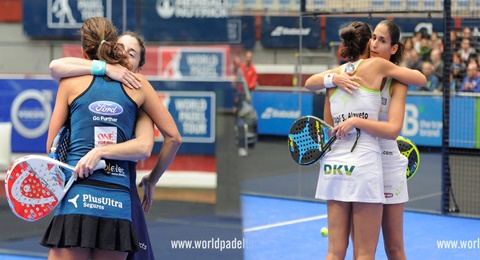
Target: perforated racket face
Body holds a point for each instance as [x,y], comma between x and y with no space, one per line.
[62,149]
[308,140]
[59,149]
[31,187]
[409,150]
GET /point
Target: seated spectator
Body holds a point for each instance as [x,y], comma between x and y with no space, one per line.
[466,50]
[414,62]
[454,41]
[471,83]
[425,49]
[436,42]
[437,62]
[433,83]
[459,72]
[466,33]
[417,40]
[408,45]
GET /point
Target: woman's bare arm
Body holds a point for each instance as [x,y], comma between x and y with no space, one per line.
[72,66]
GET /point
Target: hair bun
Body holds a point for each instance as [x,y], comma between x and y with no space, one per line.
[348,33]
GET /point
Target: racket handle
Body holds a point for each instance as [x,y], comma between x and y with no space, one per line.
[101,165]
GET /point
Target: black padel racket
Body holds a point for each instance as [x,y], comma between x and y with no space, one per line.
[309,139]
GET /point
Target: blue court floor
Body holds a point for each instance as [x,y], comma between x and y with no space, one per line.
[290,229]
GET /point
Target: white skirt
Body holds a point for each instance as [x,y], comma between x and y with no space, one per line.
[394,173]
[351,176]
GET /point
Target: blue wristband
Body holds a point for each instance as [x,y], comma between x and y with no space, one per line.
[98,67]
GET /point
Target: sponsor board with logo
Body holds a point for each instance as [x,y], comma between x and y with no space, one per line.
[28,105]
[283,32]
[278,110]
[61,19]
[185,20]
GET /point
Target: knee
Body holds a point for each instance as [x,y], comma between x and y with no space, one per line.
[395,252]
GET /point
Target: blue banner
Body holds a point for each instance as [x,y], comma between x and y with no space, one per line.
[62,19]
[223,100]
[423,120]
[184,20]
[407,25]
[335,24]
[28,104]
[241,30]
[463,121]
[278,110]
[283,32]
[193,112]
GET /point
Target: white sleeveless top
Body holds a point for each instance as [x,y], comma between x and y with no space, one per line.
[364,103]
[346,175]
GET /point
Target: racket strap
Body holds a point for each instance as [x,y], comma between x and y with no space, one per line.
[356,139]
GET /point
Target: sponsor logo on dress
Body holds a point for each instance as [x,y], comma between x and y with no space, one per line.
[96,202]
[106,108]
[338,169]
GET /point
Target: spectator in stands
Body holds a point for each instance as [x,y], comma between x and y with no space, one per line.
[425,49]
[471,83]
[249,71]
[466,33]
[417,40]
[454,41]
[458,71]
[466,50]
[415,62]
[472,59]
[408,51]
[436,43]
[433,84]
[437,62]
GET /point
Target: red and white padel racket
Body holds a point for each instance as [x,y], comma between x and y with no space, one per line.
[35,184]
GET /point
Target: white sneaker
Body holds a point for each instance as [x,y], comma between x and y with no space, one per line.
[242,152]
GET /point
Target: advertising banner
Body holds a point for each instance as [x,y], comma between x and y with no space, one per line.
[283,32]
[193,112]
[408,26]
[193,62]
[61,19]
[184,20]
[28,104]
[241,30]
[278,110]
[423,120]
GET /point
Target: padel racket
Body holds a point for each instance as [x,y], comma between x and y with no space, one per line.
[309,139]
[410,150]
[35,184]
[60,143]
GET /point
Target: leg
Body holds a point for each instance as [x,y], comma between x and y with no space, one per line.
[104,254]
[367,219]
[71,253]
[392,227]
[338,228]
